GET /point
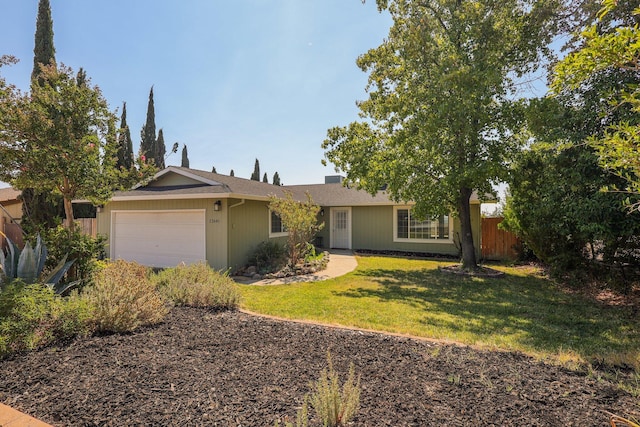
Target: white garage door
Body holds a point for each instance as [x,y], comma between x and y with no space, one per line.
[159,238]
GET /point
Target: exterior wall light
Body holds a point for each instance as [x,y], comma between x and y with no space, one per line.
[217,205]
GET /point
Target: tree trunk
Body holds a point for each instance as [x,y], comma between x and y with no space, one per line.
[68,211]
[468,250]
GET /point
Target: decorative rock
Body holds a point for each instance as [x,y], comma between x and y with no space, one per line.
[257,276]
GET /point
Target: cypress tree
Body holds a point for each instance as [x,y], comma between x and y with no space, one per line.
[148,133]
[264,178]
[255,176]
[185,157]
[161,150]
[41,209]
[213,169]
[43,52]
[276,179]
[231,173]
[125,145]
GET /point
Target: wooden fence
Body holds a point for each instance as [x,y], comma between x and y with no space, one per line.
[497,244]
[88,226]
[14,232]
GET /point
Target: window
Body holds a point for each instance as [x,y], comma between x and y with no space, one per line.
[410,229]
[276,228]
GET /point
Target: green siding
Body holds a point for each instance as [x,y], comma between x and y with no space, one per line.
[248,226]
[372,228]
[216,222]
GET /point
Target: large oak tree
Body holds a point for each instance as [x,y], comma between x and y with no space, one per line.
[437,125]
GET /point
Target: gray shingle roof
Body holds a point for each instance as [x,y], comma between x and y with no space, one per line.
[217,185]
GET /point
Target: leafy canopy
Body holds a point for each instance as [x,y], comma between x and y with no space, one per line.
[438,121]
[615,46]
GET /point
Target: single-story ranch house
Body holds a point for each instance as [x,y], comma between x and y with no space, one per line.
[187,215]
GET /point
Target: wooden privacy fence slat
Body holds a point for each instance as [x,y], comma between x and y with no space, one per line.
[497,244]
[88,226]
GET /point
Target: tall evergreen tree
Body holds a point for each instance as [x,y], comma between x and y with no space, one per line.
[41,209]
[161,150]
[276,179]
[125,145]
[43,52]
[255,176]
[185,157]
[264,178]
[148,133]
[213,169]
[231,173]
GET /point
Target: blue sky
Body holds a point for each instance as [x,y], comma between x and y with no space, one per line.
[233,80]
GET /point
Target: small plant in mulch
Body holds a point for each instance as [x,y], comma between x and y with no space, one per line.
[334,405]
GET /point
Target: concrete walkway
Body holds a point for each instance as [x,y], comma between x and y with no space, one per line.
[9,417]
[341,262]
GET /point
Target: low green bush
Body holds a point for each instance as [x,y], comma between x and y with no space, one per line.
[32,316]
[82,248]
[124,298]
[268,257]
[197,285]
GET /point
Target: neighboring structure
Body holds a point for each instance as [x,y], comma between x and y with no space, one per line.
[187,215]
[10,214]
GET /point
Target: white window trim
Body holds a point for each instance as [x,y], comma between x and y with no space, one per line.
[408,240]
[274,235]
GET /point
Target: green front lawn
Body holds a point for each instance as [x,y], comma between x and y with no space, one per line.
[523,311]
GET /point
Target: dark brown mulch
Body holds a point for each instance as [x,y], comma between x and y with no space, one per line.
[234,369]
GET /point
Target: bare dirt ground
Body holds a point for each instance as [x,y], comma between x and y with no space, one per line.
[200,368]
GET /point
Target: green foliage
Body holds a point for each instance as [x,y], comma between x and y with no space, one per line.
[608,45]
[255,175]
[276,179]
[148,147]
[268,257]
[43,52]
[197,285]
[185,157]
[335,406]
[300,220]
[557,205]
[440,117]
[27,265]
[124,298]
[161,150]
[557,208]
[84,249]
[56,139]
[33,316]
[125,144]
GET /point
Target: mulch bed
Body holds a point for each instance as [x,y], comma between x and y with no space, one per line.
[235,369]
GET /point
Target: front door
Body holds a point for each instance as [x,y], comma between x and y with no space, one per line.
[340,228]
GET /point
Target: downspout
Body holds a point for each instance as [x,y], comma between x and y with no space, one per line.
[238,204]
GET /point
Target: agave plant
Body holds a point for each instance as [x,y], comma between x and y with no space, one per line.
[27,265]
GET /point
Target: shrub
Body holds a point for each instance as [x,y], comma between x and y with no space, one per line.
[33,316]
[76,245]
[335,407]
[268,257]
[197,285]
[300,220]
[124,298]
